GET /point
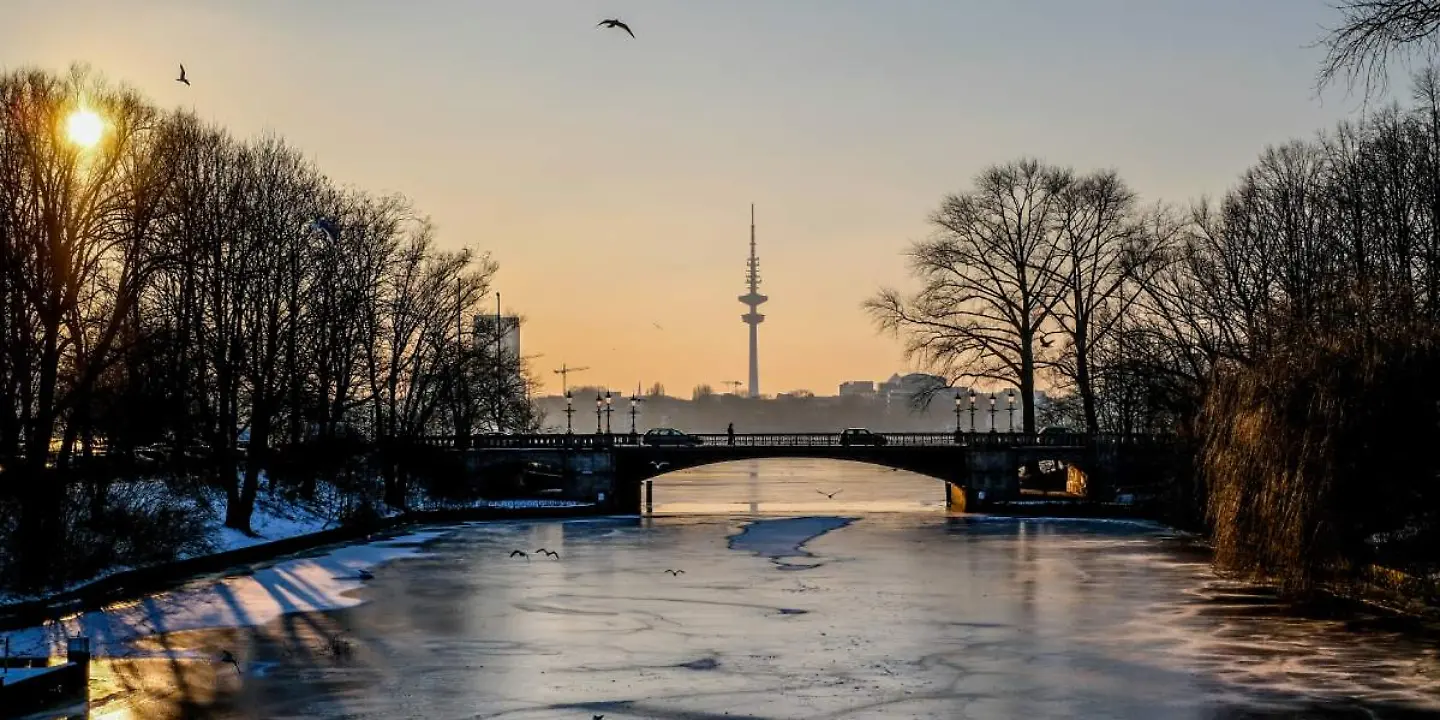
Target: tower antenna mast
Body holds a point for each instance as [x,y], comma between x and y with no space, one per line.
[753,300]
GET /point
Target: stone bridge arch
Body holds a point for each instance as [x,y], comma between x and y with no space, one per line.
[635,464]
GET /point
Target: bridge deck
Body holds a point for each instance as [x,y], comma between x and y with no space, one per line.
[793,440]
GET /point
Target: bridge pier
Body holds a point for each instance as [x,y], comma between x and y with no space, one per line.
[993,471]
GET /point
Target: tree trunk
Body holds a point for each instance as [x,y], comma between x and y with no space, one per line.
[42,427]
[1085,385]
[238,517]
[1027,390]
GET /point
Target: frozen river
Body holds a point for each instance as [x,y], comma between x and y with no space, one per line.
[872,603]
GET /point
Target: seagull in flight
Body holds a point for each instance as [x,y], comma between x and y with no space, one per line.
[182,78]
[613,23]
[830,495]
[521,553]
[676,572]
[659,464]
[657,326]
[551,553]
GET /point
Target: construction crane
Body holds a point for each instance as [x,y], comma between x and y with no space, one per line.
[564,373]
[734,386]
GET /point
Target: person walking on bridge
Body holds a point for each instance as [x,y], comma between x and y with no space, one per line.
[730,433]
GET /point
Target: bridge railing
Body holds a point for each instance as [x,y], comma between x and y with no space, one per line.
[910,439]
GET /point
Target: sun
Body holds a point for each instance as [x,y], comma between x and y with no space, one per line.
[84,128]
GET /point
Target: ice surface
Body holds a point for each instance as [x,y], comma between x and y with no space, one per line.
[785,538]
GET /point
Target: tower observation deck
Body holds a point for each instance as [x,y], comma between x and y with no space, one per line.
[753,299]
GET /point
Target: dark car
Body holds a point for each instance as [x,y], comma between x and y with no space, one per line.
[1057,430]
[860,436]
[669,436]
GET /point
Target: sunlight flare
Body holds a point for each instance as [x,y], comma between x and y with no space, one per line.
[84,128]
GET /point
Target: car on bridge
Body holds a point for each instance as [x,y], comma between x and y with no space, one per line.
[860,436]
[670,436]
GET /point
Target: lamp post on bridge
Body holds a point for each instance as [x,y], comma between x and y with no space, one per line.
[608,410]
[992,412]
[569,413]
[599,408]
[634,410]
[1010,403]
[972,410]
[957,418]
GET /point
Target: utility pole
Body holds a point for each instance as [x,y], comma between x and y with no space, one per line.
[499,369]
[462,405]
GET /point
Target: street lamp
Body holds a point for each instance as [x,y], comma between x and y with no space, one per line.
[1010,403]
[634,410]
[569,413]
[608,410]
[972,410]
[599,408]
[957,418]
[992,412]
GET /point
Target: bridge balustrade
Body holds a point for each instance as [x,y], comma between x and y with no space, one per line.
[911,439]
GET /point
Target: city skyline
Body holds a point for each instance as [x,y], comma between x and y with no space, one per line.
[537,155]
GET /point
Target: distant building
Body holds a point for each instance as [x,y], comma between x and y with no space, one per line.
[509,332]
[898,389]
[857,387]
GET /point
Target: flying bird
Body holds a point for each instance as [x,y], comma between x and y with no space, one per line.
[521,553]
[365,575]
[182,78]
[227,657]
[659,464]
[551,553]
[613,23]
[676,572]
[597,717]
[657,326]
[830,495]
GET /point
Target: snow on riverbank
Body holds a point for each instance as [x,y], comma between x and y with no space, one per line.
[297,585]
[272,520]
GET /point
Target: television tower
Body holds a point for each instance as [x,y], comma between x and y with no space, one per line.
[753,300]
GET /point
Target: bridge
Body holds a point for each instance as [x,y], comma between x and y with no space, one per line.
[615,469]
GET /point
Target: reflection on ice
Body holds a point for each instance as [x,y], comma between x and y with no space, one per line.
[781,540]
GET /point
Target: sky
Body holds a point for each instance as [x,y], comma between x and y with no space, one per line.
[611,177]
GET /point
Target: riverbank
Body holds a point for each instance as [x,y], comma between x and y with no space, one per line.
[130,584]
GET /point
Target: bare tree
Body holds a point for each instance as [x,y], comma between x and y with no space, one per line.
[1110,252]
[1371,34]
[988,281]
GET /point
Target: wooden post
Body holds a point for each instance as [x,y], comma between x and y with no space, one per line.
[77,651]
